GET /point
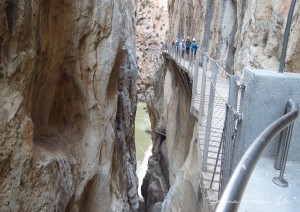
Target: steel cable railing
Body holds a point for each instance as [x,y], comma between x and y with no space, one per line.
[217,122]
[234,190]
[235,187]
[211,106]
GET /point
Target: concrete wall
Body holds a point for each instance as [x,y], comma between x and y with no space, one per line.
[262,102]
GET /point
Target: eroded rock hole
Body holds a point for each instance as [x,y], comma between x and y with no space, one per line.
[58,117]
[58,103]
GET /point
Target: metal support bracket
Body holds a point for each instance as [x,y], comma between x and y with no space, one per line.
[238,116]
[240,84]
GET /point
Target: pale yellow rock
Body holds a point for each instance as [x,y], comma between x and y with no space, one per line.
[67,82]
[228,30]
[151,32]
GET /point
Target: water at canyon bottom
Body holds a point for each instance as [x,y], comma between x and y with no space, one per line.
[142,141]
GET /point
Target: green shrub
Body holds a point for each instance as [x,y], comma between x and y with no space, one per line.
[146,3]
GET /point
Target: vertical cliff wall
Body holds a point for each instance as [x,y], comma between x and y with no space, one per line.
[67,106]
[151,30]
[240,33]
[172,125]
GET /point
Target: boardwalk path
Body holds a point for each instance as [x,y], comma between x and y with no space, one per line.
[210,153]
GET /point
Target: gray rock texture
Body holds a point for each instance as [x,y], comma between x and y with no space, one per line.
[67,106]
[239,33]
[151,30]
[172,126]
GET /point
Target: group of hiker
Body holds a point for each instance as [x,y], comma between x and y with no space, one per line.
[185,46]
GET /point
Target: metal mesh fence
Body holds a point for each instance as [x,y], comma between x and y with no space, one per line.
[211,123]
[214,103]
[228,140]
[218,123]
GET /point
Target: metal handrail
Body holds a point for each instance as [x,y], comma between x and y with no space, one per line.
[234,190]
[286,37]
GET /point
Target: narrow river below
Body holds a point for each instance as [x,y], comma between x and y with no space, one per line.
[142,141]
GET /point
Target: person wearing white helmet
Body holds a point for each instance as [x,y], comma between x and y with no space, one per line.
[194,46]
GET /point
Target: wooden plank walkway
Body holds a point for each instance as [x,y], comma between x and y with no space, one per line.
[217,124]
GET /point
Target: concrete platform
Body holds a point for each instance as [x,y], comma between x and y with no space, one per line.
[263,195]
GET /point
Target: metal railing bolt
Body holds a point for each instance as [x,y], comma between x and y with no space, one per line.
[240,84]
[279,180]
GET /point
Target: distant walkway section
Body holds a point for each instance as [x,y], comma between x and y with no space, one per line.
[217,117]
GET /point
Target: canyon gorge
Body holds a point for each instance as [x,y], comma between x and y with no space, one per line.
[71,74]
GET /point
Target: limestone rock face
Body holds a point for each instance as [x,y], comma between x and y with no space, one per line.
[239,33]
[172,126]
[67,106]
[151,31]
